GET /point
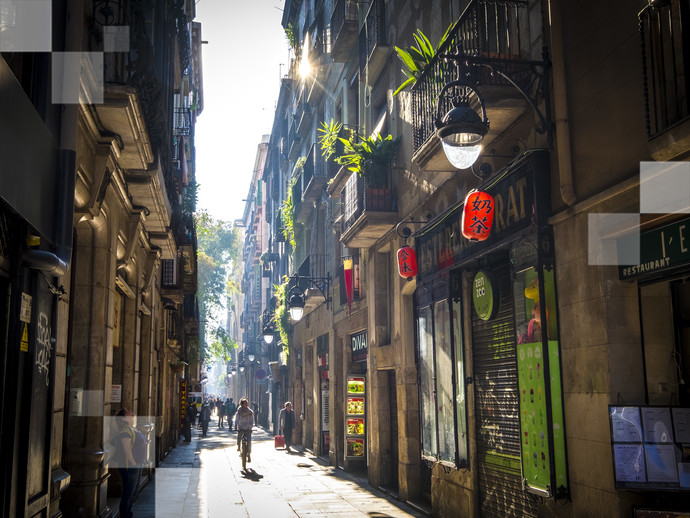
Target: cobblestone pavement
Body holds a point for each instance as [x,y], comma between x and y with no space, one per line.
[204,478]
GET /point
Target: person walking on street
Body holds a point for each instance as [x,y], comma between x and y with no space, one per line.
[286,423]
[188,424]
[191,411]
[244,422]
[129,471]
[230,409]
[205,417]
[221,412]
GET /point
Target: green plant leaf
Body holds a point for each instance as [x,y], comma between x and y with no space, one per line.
[424,44]
[406,58]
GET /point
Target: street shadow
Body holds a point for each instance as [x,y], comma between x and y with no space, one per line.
[252,475]
[220,438]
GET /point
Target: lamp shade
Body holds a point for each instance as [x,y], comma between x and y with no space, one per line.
[268,337]
[461,131]
[477,215]
[407,262]
[296,303]
[296,313]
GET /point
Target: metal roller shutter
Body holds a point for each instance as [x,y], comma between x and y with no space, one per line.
[497,408]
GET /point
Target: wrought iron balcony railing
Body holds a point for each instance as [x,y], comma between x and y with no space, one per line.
[183,121]
[360,196]
[665,64]
[343,28]
[373,32]
[488,31]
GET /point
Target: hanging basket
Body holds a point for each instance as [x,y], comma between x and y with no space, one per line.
[177,368]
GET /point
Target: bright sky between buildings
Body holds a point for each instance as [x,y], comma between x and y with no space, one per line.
[246,55]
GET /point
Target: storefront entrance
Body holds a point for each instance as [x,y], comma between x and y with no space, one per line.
[665,310]
[497,405]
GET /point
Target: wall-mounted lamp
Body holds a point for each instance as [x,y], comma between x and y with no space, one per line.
[268,328]
[462,129]
[297,297]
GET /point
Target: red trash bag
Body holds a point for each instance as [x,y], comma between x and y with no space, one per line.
[279,441]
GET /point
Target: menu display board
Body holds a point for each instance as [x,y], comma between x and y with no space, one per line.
[650,447]
[356,417]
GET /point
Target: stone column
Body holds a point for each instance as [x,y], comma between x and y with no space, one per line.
[90,365]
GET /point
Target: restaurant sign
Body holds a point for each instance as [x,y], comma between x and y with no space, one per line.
[661,249]
[515,193]
[358,344]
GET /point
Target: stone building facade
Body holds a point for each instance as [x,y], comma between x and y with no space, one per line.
[496,381]
[99,246]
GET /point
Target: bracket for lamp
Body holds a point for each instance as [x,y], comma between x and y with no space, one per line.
[404,231]
[467,71]
[323,284]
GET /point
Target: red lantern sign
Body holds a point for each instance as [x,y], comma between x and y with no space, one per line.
[407,262]
[477,215]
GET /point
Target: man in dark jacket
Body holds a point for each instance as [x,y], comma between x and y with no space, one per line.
[205,417]
[287,424]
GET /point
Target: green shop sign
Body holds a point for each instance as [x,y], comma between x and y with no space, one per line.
[483,296]
[661,249]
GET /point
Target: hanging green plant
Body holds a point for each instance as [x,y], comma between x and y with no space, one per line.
[287,213]
[291,36]
[369,156]
[280,316]
[416,59]
[329,138]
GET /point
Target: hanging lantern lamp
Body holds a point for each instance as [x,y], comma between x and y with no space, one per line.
[407,262]
[477,215]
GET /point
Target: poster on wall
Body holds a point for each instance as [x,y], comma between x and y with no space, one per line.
[649,448]
[536,462]
[355,420]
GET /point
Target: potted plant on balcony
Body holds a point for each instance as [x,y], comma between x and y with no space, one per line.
[417,59]
[371,158]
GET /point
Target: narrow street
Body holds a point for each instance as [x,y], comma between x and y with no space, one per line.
[204,478]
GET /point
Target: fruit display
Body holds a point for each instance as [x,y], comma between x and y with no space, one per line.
[355,447]
[355,385]
[355,405]
[355,426]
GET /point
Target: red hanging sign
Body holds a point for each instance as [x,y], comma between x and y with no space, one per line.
[347,270]
[407,262]
[477,215]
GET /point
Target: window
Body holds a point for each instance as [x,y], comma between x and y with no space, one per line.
[426,382]
[442,381]
[169,272]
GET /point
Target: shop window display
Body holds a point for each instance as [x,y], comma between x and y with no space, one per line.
[541,414]
[444,428]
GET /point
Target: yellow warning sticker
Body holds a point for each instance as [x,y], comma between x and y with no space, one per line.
[24,344]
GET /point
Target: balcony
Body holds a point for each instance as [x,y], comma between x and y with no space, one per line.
[147,189]
[314,266]
[369,210]
[190,314]
[182,124]
[295,142]
[305,114]
[343,29]
[489,32]
[373,48]
[314,177]
[665,65]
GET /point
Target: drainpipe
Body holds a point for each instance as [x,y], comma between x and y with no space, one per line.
[563,148]
[56,264]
